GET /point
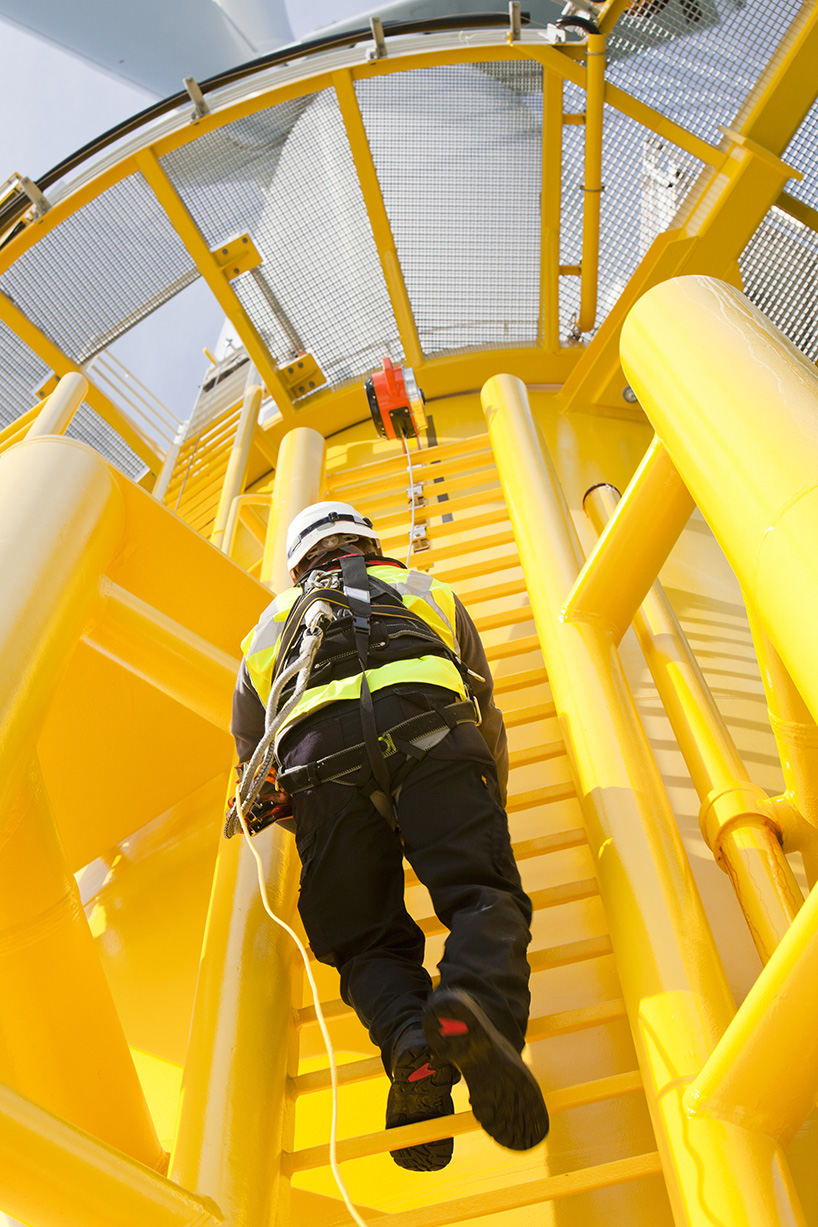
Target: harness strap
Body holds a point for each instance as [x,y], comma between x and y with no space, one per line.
[398,739]
[356,590]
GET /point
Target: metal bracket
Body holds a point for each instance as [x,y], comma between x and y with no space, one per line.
[238,254]
[515,22]
[414,494]
[420,541]
[17,185]
[301,376]
[379,50]
[200,107]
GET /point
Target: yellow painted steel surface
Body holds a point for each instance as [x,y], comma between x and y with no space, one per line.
[150,1011]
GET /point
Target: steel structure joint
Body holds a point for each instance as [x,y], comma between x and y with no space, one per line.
[741,805]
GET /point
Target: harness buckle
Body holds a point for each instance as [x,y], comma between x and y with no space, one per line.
[387,744]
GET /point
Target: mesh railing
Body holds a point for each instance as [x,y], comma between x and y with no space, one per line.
[458,151]
[802,153]
[696,60]
[646,179]
[287,177]
[779,268]
[21,374]
[101,270]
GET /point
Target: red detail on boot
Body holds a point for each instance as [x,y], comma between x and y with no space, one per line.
[425,1071]
[452,1026]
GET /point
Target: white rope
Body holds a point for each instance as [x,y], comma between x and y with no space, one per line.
[255,776]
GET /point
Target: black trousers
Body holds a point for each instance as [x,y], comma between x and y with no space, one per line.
[454,833]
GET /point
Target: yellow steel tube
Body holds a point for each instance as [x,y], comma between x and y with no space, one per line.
[678,1000]
[551,197]
[60,1037]
[633,547]
[736,406]
[298,482]
[55,1175]
[592,188]
[62,404]
[737,820]
[168,655]
[237,465]
[764,1073]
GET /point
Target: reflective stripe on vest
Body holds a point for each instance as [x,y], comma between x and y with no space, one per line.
[428,598]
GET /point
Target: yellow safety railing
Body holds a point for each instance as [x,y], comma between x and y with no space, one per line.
[673,984]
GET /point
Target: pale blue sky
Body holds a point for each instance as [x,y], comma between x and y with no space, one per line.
[53,104]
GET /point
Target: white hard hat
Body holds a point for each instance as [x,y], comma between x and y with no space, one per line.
[321,520]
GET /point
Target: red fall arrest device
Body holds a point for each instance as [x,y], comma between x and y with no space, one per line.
[395,402]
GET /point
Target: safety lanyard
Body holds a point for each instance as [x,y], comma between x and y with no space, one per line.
[356,590]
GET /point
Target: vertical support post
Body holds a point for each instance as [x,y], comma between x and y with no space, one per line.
[551,197]
[673,983]
[61,1042]
[237,464]
[62,404]
[592,188]
[236,1116]
[169,464]
[737,820]
[298,480]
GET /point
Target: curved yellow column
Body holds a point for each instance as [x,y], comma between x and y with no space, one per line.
[61,1042]
[678,1000]
[298,480]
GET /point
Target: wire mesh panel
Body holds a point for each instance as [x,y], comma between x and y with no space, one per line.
[101,270]
[696,60]
[21,374]
[458,151]
[779,268]
[286,176]
[88,427]
[646,180]
[802,153]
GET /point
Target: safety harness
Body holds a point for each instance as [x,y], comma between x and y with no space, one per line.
[382,626]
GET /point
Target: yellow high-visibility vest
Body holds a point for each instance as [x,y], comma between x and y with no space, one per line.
[428,598]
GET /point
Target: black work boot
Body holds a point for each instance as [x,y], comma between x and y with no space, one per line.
[421,1090]
[504,1094]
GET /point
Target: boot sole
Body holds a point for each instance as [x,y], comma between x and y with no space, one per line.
[411,1102]
[505,1096]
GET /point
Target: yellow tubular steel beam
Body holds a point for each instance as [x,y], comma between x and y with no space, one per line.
[378,217]
[551,196]
[796,735]
[165,475]
[57,412]
[61,1042]
[62,365]
[738,418]
[237,465]
[236,1119]
[737,820]
[166,654]
[232,526]
[751,1079]
[212,273]
[633,547]
[592,188]
[55,1175]
[298,482]
[787,88]
[678,999]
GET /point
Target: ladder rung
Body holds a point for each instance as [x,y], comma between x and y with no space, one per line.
[563,1100]
[527,715]
[520,681]
[513,587]
[541,796]
[569,953]
[473,570]
[549,896]
[463,450]
[538,960]
[561,841]
[537,754]
[528,1193]
[567,1022]
[439,552]
[395,523]
[512,647]
[507,617]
